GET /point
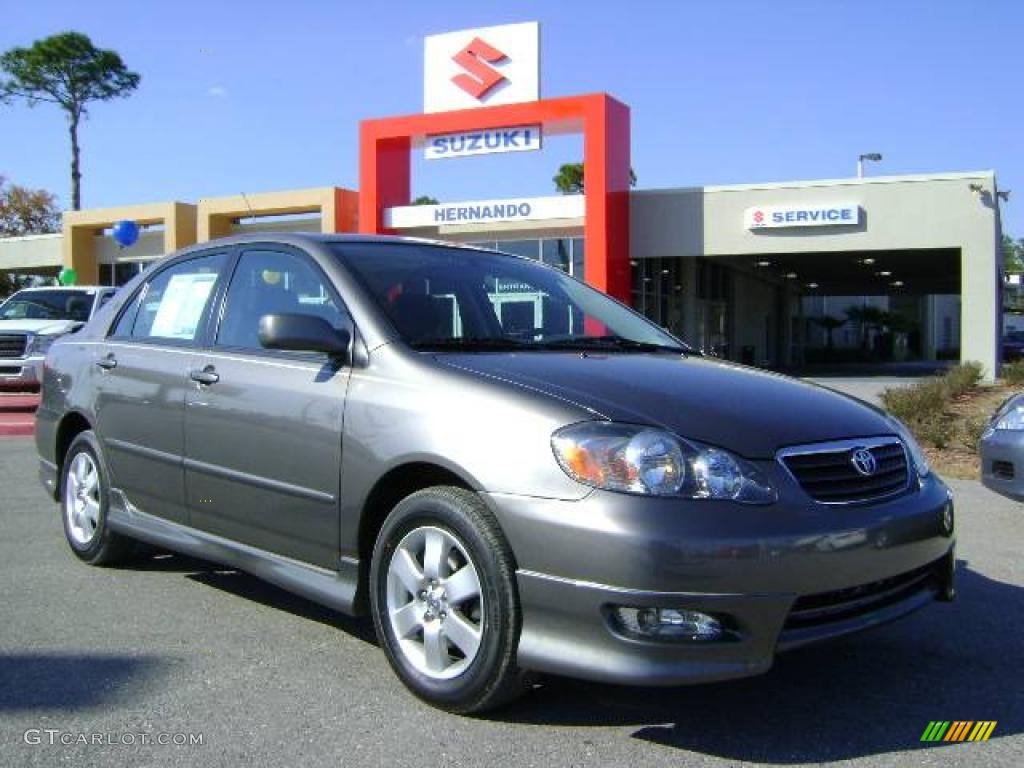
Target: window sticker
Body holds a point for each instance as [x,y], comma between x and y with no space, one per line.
[181,306]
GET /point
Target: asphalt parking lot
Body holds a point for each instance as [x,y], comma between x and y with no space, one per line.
[172,645]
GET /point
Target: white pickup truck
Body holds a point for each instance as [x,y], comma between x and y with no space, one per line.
[32,318]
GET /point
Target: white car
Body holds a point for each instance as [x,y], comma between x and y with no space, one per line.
[32,318]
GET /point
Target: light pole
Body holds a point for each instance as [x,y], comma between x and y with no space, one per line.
[874,157]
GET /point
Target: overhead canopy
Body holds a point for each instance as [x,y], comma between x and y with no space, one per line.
[862,273]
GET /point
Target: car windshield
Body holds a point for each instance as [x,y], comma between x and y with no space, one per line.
[465,299]
[48,305]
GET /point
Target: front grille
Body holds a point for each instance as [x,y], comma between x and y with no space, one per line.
[12,344]
[1003,470]
[10,370]
[828,474]
[827,607]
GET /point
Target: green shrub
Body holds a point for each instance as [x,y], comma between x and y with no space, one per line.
[915,404]
[935,430]
[1013,373]
[972,432]
[962,378]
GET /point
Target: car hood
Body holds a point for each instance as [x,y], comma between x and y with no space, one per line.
[746,410]
[37,326]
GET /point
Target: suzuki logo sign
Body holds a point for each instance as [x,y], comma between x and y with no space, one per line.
[475,59]
[481,67]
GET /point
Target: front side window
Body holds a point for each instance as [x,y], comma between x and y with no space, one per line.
[174,303]
[444,298]
[269,282]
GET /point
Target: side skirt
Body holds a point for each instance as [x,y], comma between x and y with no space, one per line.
[334,589]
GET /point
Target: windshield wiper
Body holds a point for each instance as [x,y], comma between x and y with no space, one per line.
[612,342]
[469,344]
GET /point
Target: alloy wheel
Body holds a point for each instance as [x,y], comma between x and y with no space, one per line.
[434,603]
[82,499]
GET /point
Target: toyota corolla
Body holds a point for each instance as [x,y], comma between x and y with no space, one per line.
[510,471]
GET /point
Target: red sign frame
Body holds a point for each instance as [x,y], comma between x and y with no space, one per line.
[385,169]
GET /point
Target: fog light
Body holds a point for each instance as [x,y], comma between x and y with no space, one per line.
[669,623]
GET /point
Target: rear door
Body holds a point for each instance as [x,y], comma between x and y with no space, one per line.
[263,427]
[140,380]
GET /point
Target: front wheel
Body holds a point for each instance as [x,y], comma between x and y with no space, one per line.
[84,503]
[444,601]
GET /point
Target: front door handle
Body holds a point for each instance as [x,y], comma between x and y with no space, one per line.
[107,363]
[205,376]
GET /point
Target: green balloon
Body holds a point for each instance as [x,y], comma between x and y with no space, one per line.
[67,276]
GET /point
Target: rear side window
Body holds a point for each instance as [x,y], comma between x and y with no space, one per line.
[175,301]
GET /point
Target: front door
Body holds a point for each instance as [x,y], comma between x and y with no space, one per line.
[139,377]
[263,427]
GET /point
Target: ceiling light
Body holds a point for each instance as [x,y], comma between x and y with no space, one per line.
[764,263]
[897,283]
[812,285]
[791,275]
[884,273]
[869,262]
[664,271]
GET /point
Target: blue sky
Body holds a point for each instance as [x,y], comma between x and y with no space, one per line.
[260,96]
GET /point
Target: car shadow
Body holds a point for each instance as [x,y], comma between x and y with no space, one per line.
[73,681]
[863,695]
[243,585]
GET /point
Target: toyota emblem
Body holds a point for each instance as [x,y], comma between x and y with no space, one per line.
[864,462]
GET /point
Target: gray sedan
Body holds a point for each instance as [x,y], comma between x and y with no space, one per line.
[1002,450]
[511,472]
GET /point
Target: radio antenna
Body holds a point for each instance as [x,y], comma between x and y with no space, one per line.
[252,215]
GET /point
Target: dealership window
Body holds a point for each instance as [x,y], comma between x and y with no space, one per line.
[577,258]
[557,253]
[528,248]
[658,292]
[564,253]
[122,272]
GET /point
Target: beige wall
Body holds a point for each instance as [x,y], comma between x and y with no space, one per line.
[33,253]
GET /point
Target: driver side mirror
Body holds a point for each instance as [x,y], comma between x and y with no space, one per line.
[303,333]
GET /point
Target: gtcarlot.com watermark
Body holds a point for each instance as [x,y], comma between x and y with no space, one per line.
[57,737]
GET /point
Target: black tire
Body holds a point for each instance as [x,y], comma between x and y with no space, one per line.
[104,546]
[491,677]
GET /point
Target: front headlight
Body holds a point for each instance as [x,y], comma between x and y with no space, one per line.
[41,344]
[1012,419]
[644,460]
[916,454]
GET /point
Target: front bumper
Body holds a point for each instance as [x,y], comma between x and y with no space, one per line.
[1002,462]
[21,373]
[777,577]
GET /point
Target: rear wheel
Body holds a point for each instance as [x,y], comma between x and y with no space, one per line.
[84,504]
[444,601]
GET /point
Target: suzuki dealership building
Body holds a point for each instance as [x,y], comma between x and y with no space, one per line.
[741,270]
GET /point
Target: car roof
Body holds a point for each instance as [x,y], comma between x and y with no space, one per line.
[317,238]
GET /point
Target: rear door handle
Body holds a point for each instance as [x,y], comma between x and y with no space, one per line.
[205,376]
[107,363]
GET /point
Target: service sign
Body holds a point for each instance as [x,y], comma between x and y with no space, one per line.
[522,139]
[485,211]
[481,67]
[826,215]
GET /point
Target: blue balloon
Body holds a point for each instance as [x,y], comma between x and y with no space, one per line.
[126,233]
